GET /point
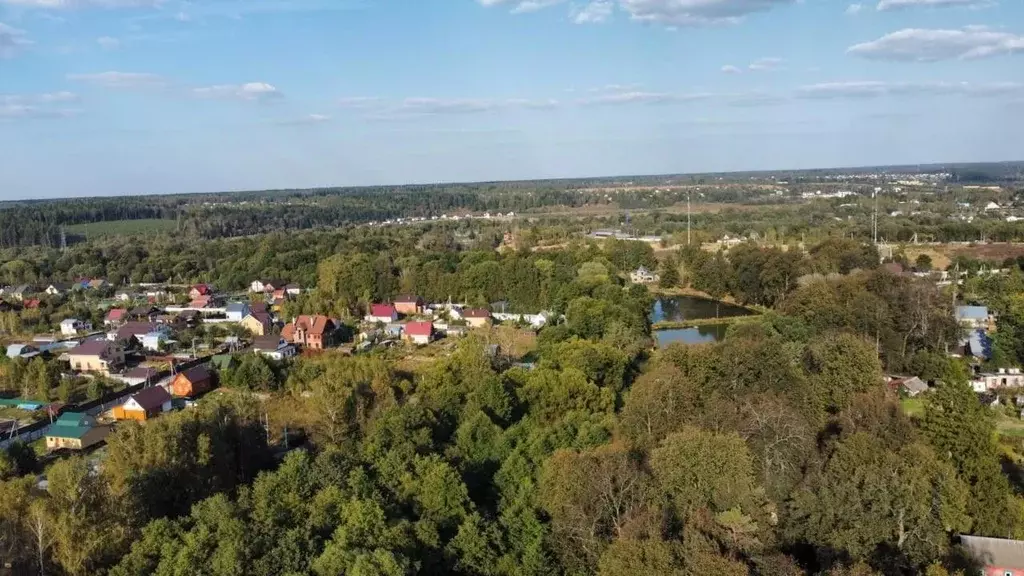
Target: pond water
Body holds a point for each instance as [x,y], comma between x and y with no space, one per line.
[696,335]
[680,308]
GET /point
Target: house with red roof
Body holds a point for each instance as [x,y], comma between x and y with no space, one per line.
[384,313]
[115,317]
[418,332]
[313,332]
[200,290]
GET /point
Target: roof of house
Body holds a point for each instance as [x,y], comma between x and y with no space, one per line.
[32,303]
[141,372]
[914,384]
[382,310]
[97,283]
[59,286]
[196,374]
[978,344]
[261,317]
[408,298]
[69,321]
[70,425]
[419,328]
[151,398]
[139,329]
[642,270]
[995,551]
[90,348]
[15,350]
[972,312]
[116,313]
[203,289]
[239,307]
[144,310]
[317,325]
[258,306]
[476,313]
[200,302]
[268,342]
[22,289]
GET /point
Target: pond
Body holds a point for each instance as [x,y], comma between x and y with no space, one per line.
[681,308]
[695,335]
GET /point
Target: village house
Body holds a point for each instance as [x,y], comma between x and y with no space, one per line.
[1003,378]
[140,331]
[265,285]
[236,311]
[144,313]
[313,332]
[72,326]
[409,304]
[22,351]
[138,375]
[418,332]
[145,404]
[998,556]
[123,296]
[192,382]
[273,347]
[200,302]
[57,289]
[115,317]
[200,290]
[97,283]
[477,317]
[258,323]
[75,431]
[100,356]
[643,276]
[20,292]
[976,318]
[293,289]
[383,313]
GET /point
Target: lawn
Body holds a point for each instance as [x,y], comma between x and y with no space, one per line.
[912,406]
[122,228]
[1010,426]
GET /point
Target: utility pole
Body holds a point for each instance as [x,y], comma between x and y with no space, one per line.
[687,217]
[874,216]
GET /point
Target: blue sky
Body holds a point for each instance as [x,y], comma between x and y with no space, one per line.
[103,97]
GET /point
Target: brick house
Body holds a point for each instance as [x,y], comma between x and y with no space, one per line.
[313,332]
[409,304]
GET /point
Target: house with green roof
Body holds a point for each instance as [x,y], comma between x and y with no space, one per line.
[222,362]
[75,431]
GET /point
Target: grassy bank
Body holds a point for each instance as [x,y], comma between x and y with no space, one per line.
[680,324]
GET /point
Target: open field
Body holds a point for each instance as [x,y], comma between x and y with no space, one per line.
[122,228]
[942,254]
[912,406]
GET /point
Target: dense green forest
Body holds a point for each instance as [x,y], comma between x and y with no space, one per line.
[778,451]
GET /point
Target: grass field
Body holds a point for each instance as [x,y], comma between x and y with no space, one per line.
[912,406]
[122,228]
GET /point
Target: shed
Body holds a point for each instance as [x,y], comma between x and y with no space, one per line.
[192,382]
[144,405]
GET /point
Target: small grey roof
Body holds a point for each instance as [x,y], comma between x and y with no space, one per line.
[995,551]
[236,307]
[972,312]
[915,385]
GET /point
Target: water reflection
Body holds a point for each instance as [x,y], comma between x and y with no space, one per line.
[679,308]
[696,335]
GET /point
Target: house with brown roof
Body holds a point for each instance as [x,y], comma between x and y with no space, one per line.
[273,347]
[145,404]
[409,304]
[192,382]
[313,332]
[477,317]
[100,356]
[258,323]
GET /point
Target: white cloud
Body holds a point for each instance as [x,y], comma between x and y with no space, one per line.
[593,13]
[522,6]
[359,101]
[854,9]
[306,120]
[901,4]
[618,98]
[66,4]
[697,12]
[120,79]
[12,40]
[765,64]
[257,91]
[108,42]
[35,106]
[923,45]
[730,69]
[875,89]
[469,105]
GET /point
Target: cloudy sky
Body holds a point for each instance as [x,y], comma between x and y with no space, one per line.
[101,97]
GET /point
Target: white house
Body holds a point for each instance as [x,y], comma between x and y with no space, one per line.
[123,296]
[293,289]
[991,206]
[1004,378]
[236,311]
[72,326]
[154,340]
[643,276]
[273,347]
